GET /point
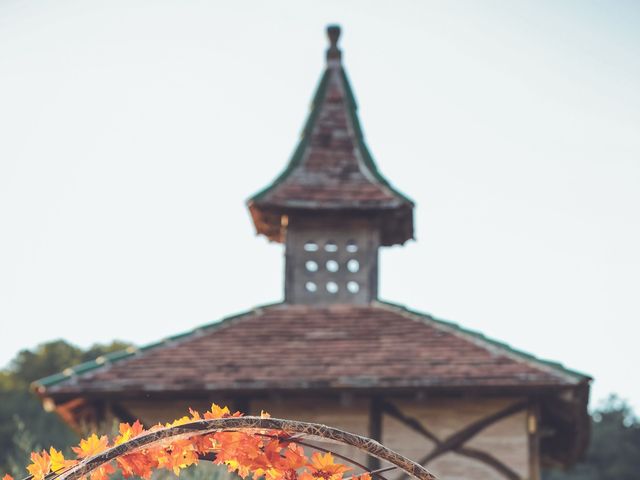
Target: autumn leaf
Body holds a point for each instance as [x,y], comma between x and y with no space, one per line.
[323,466]
[286,466]
[305,476]
[179,421]
[180,455]
[364,476]
[204,443]
[137,464]
[40,465]
[294,458]
[271,451]
[127,432]
[7,477]
[91,446]
[217,412]
[267,453]
[103,472]
[58,462]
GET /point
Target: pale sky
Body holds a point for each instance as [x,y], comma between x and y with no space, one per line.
[132,132]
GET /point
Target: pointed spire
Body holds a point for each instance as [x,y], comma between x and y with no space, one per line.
[331,170]
[334,55]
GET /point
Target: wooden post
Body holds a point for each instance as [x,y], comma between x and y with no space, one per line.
[533,432]
[375,428]
[242,404]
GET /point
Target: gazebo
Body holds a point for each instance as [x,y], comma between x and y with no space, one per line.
[332,352]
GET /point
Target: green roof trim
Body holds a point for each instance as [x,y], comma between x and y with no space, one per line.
[51,379]
[114,357]
[496,343]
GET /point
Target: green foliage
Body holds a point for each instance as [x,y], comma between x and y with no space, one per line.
[24,425]
[614,452]
[53,357]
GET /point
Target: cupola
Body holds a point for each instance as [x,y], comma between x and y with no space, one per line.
[331,207]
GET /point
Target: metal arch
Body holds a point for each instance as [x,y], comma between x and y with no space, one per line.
[201,427]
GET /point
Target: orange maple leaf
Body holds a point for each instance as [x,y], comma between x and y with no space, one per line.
[265,464]
[91,446]
[203,443]
[138,464]
[323,466]
[180,454]
[127,432]
[364,476]
[294,457]
[245,453]
[40,466]
[306,476]
[102,472]
[288,463]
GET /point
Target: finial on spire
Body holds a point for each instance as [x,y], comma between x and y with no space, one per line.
[333,53]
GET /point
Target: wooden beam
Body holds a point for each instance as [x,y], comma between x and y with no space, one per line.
[67,412]
[101,413]
[455,442]
[393,411]
[375,429]
[461,436]
[122,413]
[242,404]
[533,433]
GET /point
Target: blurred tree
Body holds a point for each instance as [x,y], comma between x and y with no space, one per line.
[614,452]
[53,357]
[24,425]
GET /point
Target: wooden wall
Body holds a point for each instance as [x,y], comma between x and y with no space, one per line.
[507,440]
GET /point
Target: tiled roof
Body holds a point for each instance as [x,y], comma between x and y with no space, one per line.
[332,169]
[308,347]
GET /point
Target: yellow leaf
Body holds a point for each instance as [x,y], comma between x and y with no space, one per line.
[58,461]
[91,446]
[217,412]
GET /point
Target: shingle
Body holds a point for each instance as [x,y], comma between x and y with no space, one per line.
[295,346]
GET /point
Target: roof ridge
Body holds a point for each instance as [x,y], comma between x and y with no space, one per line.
[488,342]
[113,357]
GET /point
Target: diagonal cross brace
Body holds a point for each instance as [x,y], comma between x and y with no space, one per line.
[456,441]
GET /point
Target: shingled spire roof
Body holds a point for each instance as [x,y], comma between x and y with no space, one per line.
[331,169]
